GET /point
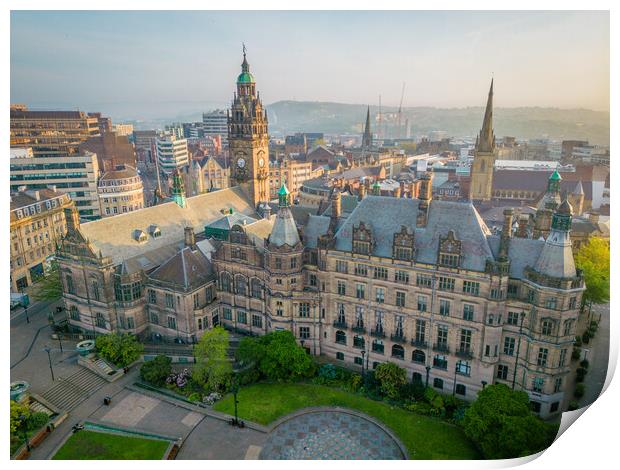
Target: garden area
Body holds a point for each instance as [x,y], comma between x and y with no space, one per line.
[94,445]
[24,424]
[275,377]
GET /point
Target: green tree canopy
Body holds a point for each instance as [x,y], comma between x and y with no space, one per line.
[391,377]
[157,370]
[213,369]
[48,287]
[501,423]
[593,259]
[17,411]
[119,348]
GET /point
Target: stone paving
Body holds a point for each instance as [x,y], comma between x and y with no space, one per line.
[330,435]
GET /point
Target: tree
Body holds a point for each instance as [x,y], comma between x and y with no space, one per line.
[119,348]
[502,425]
[49,288]
[392,378]
[213,368]
[593,259]
[281,358]
[17,411]
[157,370]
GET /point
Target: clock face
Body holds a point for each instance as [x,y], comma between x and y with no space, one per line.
[261,162]
[241,163]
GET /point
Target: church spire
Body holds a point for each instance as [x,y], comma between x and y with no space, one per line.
[245,67]
[367,138]
[486,139]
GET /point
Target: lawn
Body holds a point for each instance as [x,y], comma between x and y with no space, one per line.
[424,437]
[91,445]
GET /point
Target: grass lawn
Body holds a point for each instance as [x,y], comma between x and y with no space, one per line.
[91,445]
[424,437]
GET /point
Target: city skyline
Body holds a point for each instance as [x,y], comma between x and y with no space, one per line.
[163,59]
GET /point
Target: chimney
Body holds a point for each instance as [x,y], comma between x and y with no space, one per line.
[72,219]
[522,230]
[593,217]
[506,233]
[190,239]
[425,196]
[361,192]
[336,204]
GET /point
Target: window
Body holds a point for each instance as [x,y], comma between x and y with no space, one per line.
[152,296]
[196,301]
[378,346]
[278,263]
[450,260]
[461,389]
[400,299]
[225,282]
[468,313]
[420,331]
[403,253]
[424,281]
[509,345]
[341,266]
[380,295]
[547,327]
[568,326]
[154,318]
[557,387]
[442,336]
[465,342]
[313,280]
[257,321]
[531,296]
[446,283]
[359,291]
[422,303]
[438,383]
[542,356]
[363,248]
[242,285]
[304,309]
[418,356]
[440,362]
[242,317]
[341,337]
[342,288]
[402,277]
[100,320]
[502,372]
[470,287]
[293,263]
[70,287]
[416,377]
[358,360]
[74,313]
[359,316]
[381,273]
[279,308]
[444,307]
[562,358]
[341,314]
[257,288]
[169,301]
[398,351]
[572,303]
[513,318]
[172,323]
[361,270]
[554,406]
[538,384]
[130,323]
[551,302]
[359,342]
[340,356]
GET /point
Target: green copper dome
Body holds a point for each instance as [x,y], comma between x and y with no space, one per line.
[283,191]
[555,176]
[245,77]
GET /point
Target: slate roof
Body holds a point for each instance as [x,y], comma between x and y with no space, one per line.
[120,172]
[284,230]
[113,235]
[522,252]
[186,269]
[533,180]
[386,215]
[348,203]
[317,225]
[227,221]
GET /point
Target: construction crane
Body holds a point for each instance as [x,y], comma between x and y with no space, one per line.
[400,113]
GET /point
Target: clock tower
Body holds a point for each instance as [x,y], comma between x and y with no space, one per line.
[248,141]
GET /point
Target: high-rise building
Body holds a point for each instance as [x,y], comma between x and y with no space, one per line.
[120,190]
[215,123]
[123,129]
[248,140]
[75,175]
[171,153]
[145,143]
[37,225]
[485,153]
[51,133]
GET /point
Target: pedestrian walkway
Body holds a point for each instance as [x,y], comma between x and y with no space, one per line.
[67,393]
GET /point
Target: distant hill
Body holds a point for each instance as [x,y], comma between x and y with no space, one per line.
[528,123]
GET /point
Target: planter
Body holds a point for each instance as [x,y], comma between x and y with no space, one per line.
[84,348]
[18,389]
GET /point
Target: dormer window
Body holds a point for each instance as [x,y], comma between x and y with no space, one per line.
[362,239]
[155,231]
[449,251]
[403,246]
[140,236]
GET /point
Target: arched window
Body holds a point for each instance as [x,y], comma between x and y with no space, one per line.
[418,356]
[100,320]
[398,351]
[341,337]
[416,377]
[225,283]
[256,288]
[69,281]
[377,346]
[491,318]
[95,285]
[242,285]
[359,342]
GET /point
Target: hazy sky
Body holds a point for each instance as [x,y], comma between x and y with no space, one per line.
[91,59]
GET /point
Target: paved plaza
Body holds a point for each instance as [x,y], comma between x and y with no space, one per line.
[330,435]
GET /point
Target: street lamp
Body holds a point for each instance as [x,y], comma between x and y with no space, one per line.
[235,390]
[26,312]
[428,371]
[47,349]
[514,375]
[456,368]
[363,374]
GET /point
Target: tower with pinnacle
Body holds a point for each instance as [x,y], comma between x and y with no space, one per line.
[367,137]
[248,138]
[484,157]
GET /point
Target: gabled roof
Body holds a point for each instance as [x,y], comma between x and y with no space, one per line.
[227,221]
[284,231]
[187,269]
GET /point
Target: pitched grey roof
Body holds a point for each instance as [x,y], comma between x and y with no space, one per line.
[227,221]
[186,269]
[556,258]
[348,203]
[284,230]
[522,252]
[317,225]
[386,215]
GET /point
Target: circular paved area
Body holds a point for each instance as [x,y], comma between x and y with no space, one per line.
[329,435]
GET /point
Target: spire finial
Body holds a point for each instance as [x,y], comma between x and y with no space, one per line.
[486,138]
